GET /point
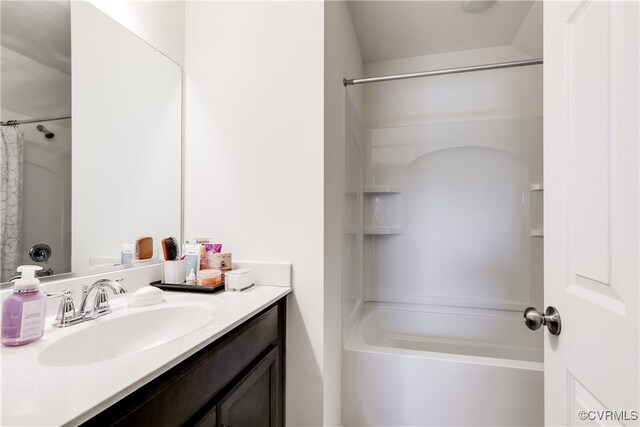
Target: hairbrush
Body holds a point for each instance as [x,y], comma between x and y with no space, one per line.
[144,247]
[169,249]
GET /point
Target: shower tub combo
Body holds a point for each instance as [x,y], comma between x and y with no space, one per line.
[448,256]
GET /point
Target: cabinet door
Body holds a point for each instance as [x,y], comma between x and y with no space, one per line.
[255,401]
[208,419]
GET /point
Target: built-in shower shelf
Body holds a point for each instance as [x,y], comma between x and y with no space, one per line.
[378,189]
[536,232]
[536,187]
[381,231]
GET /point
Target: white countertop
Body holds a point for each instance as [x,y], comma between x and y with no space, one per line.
[36,394]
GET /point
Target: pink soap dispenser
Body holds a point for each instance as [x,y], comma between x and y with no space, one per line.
[24,311]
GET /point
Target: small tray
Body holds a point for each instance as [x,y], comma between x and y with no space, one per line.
[188,288]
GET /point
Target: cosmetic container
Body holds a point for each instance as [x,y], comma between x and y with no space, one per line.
[212,249]
[191,278]
[127,254]
[24,311]
[204,260]
[191,253]
[221,261]
[238,280]
[174,272]
[209,277]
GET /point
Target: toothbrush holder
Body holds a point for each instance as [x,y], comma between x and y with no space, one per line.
[174,272]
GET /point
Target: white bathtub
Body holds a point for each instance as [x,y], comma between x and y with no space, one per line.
[441,366]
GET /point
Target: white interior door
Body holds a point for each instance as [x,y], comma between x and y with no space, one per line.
[591,162]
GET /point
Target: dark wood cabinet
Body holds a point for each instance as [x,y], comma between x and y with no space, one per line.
[236,381]
[252,402]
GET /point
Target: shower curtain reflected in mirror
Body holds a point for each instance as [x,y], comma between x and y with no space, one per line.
[11,164]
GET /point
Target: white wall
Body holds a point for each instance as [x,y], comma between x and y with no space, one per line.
[254,158]
[513,92]
[159,23]
[342,59]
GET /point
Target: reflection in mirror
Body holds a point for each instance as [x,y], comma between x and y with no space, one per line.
[35,181]
[127,128]
[123,178]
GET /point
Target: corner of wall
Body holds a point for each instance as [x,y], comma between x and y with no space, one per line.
[159,23]
[528,39]
[342,59]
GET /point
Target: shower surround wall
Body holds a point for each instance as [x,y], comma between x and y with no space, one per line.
[483,129]
[452,232]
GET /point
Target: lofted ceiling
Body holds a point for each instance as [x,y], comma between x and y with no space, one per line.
[400,29]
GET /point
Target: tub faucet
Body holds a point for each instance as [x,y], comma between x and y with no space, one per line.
[101,301]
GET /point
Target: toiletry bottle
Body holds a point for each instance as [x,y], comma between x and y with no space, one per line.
[127,254]
[24,311]
[191,278]
[192,256]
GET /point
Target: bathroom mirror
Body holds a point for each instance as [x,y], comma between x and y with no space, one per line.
[111,173]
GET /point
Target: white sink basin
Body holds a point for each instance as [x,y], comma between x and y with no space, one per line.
[125,332]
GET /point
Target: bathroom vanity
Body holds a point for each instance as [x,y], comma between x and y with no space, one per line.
[196,359]
[235,381]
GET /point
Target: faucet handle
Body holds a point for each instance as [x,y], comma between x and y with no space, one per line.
[66,311]
[120,288]
[101,302]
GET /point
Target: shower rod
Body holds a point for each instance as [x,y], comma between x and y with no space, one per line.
[496,66]
[41,119]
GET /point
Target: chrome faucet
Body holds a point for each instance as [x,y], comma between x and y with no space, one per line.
[101,301]
[67,314]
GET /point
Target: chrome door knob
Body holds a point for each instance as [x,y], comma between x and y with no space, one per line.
[551,319]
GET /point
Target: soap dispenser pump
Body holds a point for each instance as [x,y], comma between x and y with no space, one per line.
[23,312]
